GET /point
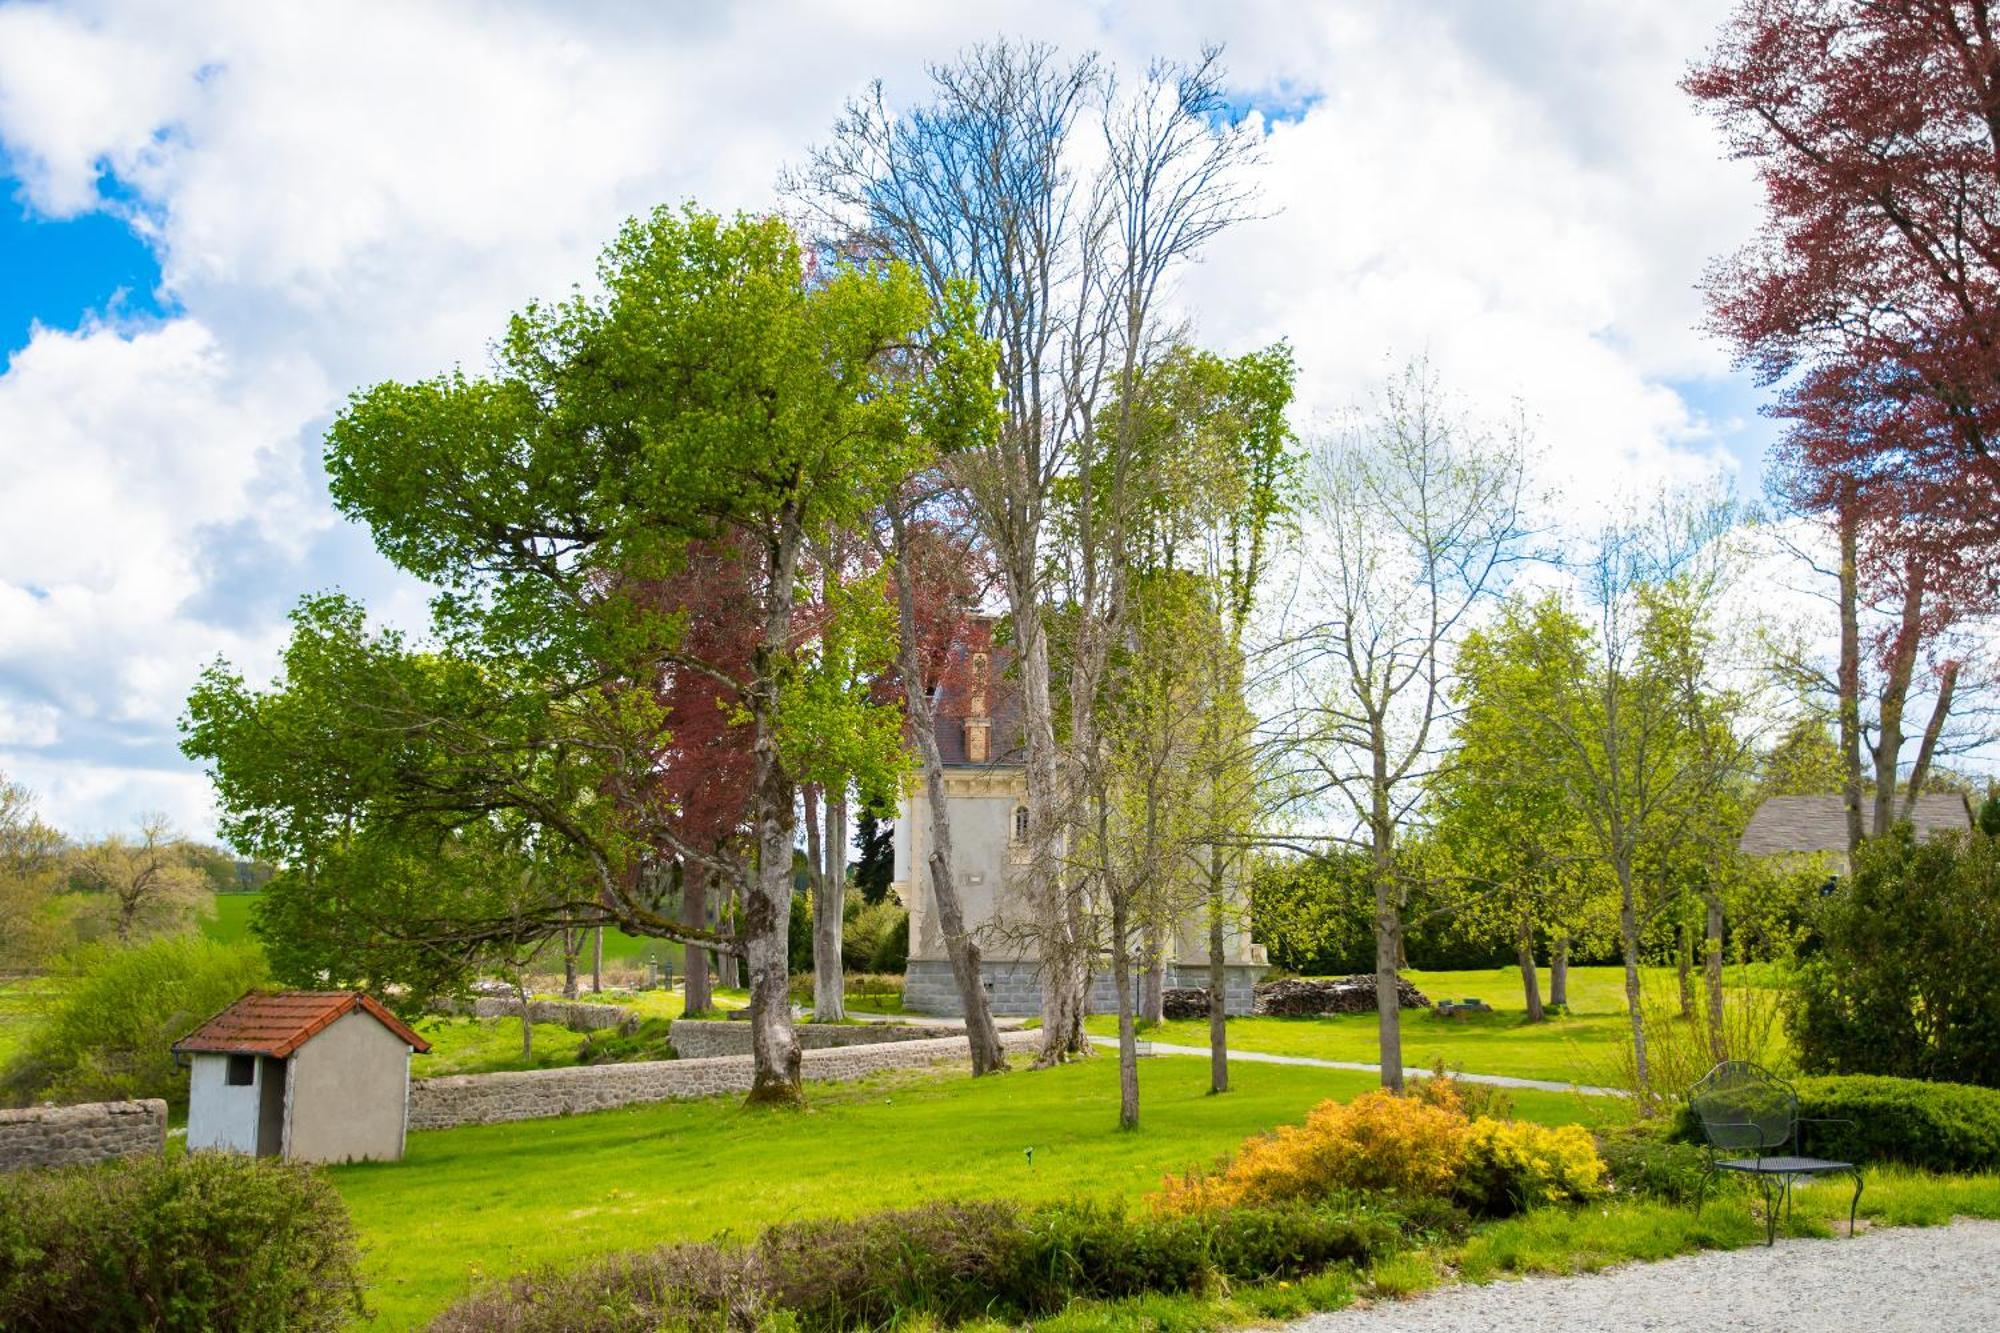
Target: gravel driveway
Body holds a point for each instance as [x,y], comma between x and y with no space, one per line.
[1919,1279]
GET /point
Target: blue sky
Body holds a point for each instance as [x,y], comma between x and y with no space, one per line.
[61,270]
[335,196]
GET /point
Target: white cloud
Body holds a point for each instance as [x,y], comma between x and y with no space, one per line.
[344,194]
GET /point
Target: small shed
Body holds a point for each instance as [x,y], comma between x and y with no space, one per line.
[311,1076]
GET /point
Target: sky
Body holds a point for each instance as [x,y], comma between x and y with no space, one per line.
[219,220]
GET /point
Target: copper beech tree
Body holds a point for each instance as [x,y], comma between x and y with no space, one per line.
[432,801]
[1871,296]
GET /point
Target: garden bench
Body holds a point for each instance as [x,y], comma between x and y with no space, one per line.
[1744,1108]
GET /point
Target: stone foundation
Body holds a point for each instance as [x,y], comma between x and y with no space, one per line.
[479,1099]
[699,1038]
[1013,989]
[83,1134]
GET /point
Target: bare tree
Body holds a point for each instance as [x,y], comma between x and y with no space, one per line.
[149,885]
[1419,518]
[988,182]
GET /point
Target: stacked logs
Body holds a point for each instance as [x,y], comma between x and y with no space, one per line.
[1302,996]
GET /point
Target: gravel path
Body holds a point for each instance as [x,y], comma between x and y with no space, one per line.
[1887,1280]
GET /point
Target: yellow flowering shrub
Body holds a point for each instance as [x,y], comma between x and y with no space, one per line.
[1510,1165]
[1378,1141]
[1421,1145]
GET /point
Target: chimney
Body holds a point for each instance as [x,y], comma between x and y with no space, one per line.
[978,724]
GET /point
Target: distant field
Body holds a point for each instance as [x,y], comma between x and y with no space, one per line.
[232,922]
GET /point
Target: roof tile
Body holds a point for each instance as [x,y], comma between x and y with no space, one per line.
[277,1023]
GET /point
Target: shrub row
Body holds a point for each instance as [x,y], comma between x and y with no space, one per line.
[1936,1126]
[208,1242]
[948,1262]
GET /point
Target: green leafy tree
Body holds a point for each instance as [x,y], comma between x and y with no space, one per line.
[1903,980]
[500,781]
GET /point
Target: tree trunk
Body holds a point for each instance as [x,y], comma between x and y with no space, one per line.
[1849,682]
[572,950]
[1559,973]
[1531,984]
[694,912]
[527,1027]
[728,967]
[1895,698]
[1628,947]
[829,908]
[767,915]
[1152,994]
[1388,927]
[597,961]
[1128,1037]
[1684,968]
[1718,1044]
[1218,978]
[1926,752]
[988,1056]
[1064,976]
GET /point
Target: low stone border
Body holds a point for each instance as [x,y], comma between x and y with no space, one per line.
[530,1094]
[699,1038]
[85,1133]
[576,1015]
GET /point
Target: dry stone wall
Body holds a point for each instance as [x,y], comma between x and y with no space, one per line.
[481,1099]
[577,1016]
[82,1134]
[698,1038]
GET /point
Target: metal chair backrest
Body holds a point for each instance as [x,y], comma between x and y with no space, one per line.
[1744,1107]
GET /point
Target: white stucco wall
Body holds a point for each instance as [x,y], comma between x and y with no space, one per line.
[220,1116]
[983,860]
[348,1096]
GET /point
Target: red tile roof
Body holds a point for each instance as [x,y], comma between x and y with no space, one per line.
[276,1023]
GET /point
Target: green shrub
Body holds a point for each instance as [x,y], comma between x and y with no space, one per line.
[945,1262]
[1642,1161]
[892,952]
[608,1046]
[1904,982]
[211,1241]
[1935,1126]
[866,934]
[115,1013]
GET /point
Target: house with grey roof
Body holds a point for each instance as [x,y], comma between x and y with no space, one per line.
[1817,825]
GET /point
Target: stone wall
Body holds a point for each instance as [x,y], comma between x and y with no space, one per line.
[463,1099]
[577,1016]
[89,1132]
[1012,987]
[699,1038]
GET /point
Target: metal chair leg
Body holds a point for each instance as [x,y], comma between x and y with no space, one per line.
[1854,1203]
[1701,1193]
[1770,1212]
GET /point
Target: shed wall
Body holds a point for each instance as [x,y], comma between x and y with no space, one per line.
[220,1116]
[348,1094]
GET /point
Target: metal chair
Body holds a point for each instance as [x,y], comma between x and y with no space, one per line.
[1744,1108]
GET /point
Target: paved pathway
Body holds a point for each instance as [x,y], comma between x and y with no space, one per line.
[1263,1058]
[1886,1280]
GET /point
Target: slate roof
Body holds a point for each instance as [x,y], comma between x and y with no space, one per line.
[276,1023]
[1007,743]
[1819,823]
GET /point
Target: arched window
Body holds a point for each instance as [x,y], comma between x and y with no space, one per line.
[1020,823]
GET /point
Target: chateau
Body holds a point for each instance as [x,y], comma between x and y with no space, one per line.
[986,785]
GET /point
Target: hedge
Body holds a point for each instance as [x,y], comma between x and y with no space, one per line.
[1951,1127]
[208,1242]
[946,1262]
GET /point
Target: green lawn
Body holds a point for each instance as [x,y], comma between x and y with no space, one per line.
[1578,1048]
[490,1200]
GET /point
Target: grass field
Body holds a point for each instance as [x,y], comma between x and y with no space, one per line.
[232,922]
[491,1200]
[1578,1048]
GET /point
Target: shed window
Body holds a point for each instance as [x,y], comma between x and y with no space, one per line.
[242,1070]
[1020,823]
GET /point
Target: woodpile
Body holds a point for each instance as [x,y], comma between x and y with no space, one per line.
[1303,996]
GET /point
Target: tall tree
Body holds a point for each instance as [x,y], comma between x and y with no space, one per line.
[1069,245]
[147,884]
[1420,523]
[715,389]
